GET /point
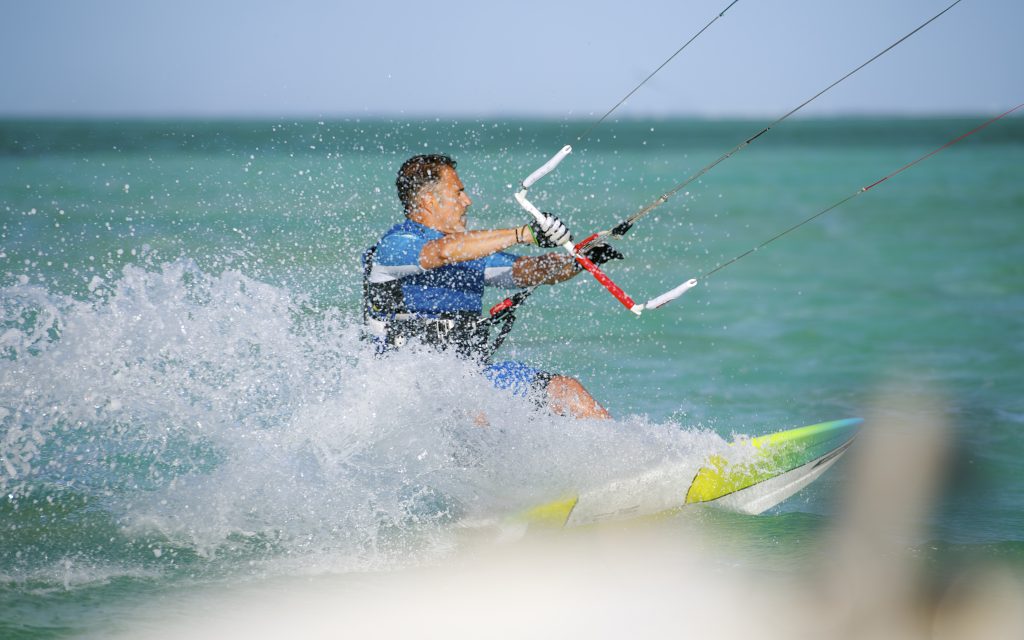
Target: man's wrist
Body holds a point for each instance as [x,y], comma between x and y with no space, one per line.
[524,235]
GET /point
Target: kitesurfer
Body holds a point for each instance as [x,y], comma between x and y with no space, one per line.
[424,280]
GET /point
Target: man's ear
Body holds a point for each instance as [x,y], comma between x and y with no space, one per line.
[426,199]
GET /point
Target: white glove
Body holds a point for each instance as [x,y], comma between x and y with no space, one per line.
[550,232]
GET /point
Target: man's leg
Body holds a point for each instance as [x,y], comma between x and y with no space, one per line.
[562,394]
[567,395]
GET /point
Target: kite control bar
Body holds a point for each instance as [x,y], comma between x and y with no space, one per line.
[547,167]
[576,251]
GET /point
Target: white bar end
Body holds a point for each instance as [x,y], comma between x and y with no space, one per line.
[669,296]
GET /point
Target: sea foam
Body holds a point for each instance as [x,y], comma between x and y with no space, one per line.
[214,412]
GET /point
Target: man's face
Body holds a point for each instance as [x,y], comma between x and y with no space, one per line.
[450,202]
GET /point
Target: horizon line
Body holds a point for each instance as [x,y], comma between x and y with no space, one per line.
[455,117]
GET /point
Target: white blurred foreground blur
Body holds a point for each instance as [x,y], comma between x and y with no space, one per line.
[662,579]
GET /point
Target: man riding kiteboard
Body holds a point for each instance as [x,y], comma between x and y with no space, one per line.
[424,280]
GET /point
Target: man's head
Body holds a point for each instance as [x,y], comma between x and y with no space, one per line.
[432,193]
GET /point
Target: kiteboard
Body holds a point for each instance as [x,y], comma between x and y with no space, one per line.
[754,475]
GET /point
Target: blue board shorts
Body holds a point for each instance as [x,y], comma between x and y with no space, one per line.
[521,379]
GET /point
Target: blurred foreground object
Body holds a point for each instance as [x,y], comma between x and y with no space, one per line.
[876,587]
[667,579]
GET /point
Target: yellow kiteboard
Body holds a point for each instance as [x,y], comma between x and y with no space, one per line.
[755,474]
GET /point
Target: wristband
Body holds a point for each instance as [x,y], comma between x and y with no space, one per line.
[524,235]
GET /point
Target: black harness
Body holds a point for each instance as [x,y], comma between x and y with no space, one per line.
[389,320]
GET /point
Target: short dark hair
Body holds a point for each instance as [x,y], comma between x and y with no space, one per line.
[416,173]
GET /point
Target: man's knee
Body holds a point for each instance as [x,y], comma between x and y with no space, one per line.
[567,395]
[565,384]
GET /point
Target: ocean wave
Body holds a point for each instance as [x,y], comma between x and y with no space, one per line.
[226,415]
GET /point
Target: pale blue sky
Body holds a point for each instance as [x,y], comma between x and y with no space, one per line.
[315,58]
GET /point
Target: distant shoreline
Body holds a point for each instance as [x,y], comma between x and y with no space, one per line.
[380,136]
[499,118]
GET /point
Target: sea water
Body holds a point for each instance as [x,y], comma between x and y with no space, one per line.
[186,403]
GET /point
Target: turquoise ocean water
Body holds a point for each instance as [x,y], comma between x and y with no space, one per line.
[185,403]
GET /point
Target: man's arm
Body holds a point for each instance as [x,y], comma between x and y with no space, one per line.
[549,268]
[469,245]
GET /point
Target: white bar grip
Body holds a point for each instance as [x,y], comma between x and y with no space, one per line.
[539,217]
[669,296]
[526,204]
[547,167]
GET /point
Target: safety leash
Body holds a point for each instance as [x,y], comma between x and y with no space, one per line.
[504,311]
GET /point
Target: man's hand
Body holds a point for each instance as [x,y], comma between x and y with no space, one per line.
[549,232]
[602,253]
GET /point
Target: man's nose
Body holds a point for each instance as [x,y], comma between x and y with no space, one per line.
[466,200]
